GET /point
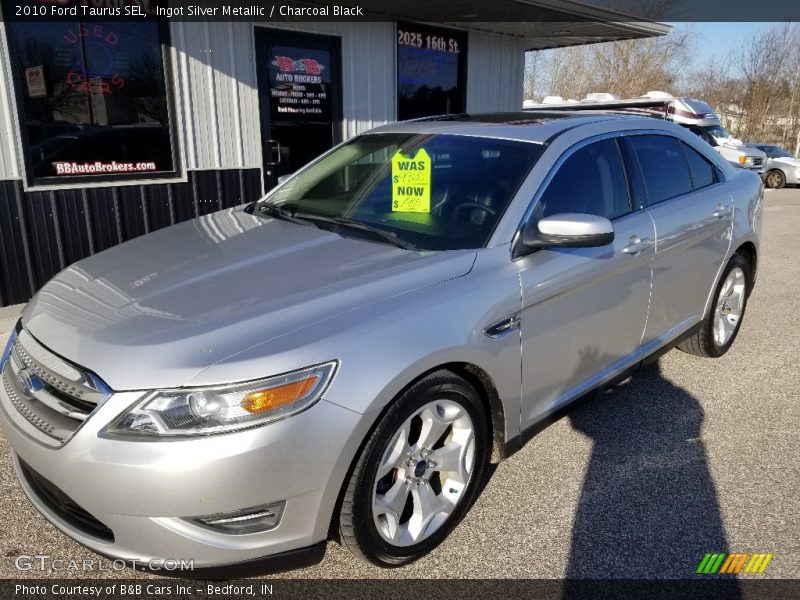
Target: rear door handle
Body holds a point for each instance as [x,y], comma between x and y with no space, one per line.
[637,244]
[722,211]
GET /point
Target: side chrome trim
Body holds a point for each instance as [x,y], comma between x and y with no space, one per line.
[503,327]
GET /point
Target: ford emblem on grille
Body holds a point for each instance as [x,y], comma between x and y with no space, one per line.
[28,383]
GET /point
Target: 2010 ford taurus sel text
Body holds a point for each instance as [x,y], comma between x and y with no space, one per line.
[343,357]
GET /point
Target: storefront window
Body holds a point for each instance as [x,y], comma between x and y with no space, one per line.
[431,71]
[92,98]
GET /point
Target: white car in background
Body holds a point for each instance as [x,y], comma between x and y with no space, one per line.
[782,167]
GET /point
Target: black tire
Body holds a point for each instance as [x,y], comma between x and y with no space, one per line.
[357,529]
[703,343]
[775,179]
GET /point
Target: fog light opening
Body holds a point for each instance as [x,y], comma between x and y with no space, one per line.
[249,520]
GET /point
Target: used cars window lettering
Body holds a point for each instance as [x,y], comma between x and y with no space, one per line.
[92,98]
[436,192]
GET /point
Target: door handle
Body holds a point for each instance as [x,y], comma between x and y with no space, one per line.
[274,151]
[637,244]
[722,211]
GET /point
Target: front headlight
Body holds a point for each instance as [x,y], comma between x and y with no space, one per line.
[222,409]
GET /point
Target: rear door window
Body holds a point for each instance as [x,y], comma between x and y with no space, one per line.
[703,172]
[664,167]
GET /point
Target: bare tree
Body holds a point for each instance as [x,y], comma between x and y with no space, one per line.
[765,92]
[627,68]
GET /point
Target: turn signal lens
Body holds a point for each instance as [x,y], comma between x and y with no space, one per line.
[742,159]
[269,399]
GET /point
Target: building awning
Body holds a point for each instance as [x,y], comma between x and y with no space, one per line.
[541,24]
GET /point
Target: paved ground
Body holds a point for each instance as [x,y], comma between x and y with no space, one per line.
[688,457]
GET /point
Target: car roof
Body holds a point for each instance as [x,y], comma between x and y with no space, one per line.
[538,126]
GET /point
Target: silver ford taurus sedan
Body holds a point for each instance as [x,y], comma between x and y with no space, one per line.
[343,357]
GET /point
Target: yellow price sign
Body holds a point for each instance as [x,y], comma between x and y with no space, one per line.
[411,182]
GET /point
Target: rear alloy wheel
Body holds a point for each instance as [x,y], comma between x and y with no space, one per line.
[775,179]
[720,328]
[418,473]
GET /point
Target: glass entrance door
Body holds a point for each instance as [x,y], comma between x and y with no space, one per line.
[299,87]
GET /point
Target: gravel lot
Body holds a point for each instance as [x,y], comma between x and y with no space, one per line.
[689,456]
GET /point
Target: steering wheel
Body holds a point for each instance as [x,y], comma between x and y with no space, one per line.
[478,205]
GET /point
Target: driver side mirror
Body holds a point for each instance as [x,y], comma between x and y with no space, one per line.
[568,230]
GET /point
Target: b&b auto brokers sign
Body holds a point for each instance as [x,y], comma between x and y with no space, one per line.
[299,84]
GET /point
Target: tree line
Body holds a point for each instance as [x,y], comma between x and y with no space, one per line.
[755,89]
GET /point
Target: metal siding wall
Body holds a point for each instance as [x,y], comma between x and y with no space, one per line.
[43,232]
[9,165]
[215,78]
[495,72]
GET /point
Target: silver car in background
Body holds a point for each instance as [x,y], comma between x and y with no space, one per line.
[344,356]
[782,167]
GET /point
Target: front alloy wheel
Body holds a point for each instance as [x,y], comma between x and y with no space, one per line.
[423,473]
[418,473]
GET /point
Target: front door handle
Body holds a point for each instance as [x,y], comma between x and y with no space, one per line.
[637,244]
[722,211]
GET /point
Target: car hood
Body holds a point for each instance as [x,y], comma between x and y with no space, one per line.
[158,310]
[793,162]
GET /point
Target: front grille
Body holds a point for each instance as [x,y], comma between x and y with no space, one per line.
[65,507]
[52,395]
[758,162]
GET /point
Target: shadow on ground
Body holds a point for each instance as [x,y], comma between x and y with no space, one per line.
[648,506]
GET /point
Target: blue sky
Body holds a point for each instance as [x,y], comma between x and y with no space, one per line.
[719,39]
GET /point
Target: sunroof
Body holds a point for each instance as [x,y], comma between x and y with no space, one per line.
[509,118]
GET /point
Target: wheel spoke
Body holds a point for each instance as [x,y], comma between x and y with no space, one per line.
[725,330]
[448,458]
[427,506]
[397,452]
[394,500]
[453,458]
[719,330]
[433,427]
[726,287]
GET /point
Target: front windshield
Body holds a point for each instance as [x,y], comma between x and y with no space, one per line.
[718,131]
[436,192]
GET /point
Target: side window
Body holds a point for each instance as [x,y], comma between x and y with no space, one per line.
[591,181]
[703,172]
[664,167]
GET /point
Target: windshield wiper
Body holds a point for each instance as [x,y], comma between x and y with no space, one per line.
[283,213]
[376,232]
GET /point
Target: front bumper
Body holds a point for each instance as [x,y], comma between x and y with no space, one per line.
[143,492]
